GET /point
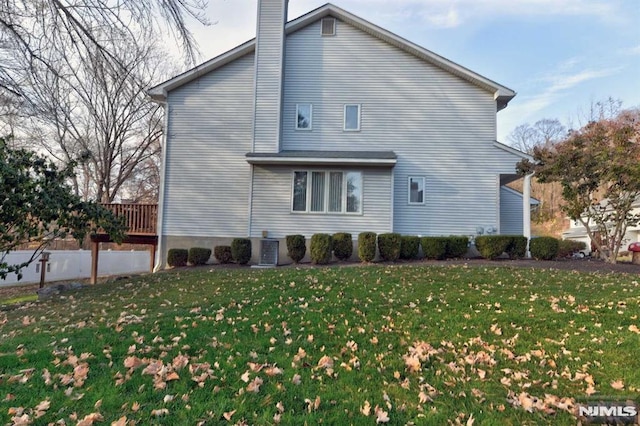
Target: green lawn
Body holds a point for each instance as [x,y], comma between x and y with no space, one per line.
[351,345]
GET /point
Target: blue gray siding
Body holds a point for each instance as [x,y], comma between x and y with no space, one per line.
[510,212]
[441,127]
[269,68]
[207,177]
[272,205]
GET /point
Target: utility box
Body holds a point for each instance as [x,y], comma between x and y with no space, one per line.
[269,249]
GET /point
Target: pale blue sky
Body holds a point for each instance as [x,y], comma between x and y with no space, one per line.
[558,55]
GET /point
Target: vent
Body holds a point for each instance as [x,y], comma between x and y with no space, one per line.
[269,252]
[328,26]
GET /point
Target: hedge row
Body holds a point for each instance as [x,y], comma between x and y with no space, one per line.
[239,251]
[391,246]
[195,256]
[494,246]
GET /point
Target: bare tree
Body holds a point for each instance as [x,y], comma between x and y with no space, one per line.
[30,29]
[544,132]
[99,115]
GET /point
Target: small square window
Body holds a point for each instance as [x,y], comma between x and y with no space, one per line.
[304,116]
[416,190]
[352,117]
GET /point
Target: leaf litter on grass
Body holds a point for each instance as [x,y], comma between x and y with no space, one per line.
[383,343]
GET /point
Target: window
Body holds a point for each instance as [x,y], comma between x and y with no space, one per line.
[416,190]
[327,192]
[352,117]
[304,116]
[328,26]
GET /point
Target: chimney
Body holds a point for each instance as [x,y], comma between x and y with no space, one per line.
[269,69]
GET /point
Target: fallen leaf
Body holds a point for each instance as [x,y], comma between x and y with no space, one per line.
[228,415]
[160,412]
[172,376]
[254,386]
[297,379]
[122,421]
[381,415]
[617,384]
[90,419]
[366,409]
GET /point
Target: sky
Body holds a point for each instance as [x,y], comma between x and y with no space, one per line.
[559,56]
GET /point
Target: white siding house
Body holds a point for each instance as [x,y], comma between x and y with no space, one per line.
[578,232]
[329,123]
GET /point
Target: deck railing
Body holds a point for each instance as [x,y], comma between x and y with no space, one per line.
[141,219]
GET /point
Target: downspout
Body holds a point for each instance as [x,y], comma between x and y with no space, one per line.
[161,196]
[526,211]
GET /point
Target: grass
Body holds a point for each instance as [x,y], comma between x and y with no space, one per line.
[19,299]
[354,345]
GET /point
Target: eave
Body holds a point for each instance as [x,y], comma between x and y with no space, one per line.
[501,94]
[324,158]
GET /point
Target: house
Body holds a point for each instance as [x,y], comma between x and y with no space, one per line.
[329,123]
[577,231]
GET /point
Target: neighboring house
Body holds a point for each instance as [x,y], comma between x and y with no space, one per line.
[331,124]
[578,232]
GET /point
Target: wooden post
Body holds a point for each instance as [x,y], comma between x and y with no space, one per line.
[95,249]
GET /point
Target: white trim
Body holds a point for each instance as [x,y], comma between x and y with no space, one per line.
[250,201]
[304,129]
[424,191]
[327,179]
[344,124]
[309,160]
[392,202]
[526,211]
[159,261]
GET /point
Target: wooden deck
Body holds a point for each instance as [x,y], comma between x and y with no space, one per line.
[141,221]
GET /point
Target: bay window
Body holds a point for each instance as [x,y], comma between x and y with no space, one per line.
[327,191]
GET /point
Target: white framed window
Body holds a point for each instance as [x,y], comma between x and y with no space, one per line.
[416,190]
[327,191]
[304,116]
[352,117]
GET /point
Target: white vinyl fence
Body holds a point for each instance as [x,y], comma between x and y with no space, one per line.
[76,264]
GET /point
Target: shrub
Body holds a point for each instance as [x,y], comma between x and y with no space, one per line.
[389,246]
[434,247]
[199,255]
[457,246]
[569,247]
[342,245]
[409,247]
[367,246]
[241,250]
[320,249]
[517,248]
[544,248]
[222,254]
[296,247]
[492,246]
[177,257]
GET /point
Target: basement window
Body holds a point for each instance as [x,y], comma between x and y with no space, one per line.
[328,26]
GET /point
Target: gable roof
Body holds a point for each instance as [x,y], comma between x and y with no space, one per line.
[502,94]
